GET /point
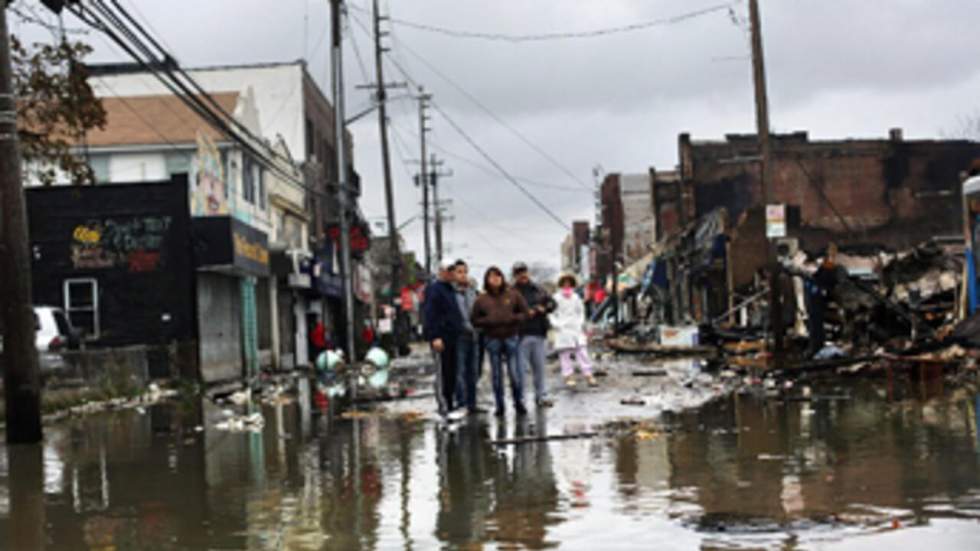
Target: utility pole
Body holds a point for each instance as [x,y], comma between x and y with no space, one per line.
[21,378]
[434,176]
[343,193]
[393,250]
[423,175]
[765,166]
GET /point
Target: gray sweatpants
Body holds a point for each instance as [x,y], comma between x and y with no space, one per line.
[531,356]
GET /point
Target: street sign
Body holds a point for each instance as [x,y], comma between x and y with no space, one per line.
[775,221]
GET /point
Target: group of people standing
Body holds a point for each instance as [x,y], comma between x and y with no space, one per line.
[509,322]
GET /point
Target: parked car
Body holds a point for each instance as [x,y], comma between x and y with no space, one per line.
[54,335]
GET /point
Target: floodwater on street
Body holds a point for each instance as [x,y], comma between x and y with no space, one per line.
[857,468]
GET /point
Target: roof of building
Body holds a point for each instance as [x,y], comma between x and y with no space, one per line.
[148,120]
[124,68]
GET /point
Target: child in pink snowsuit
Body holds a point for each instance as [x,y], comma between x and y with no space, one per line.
[567,320]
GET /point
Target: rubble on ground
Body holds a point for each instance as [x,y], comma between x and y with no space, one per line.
[893,310]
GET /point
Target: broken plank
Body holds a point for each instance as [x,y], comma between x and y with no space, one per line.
[649,373]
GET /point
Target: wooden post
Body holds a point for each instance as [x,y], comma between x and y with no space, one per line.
[22,383]
[765,151]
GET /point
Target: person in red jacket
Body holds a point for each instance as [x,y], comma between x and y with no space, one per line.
[367,334]
[318,339]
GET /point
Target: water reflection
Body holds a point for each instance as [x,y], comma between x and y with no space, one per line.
[739,473]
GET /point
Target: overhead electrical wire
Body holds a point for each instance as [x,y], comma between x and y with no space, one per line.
[459,130]
[482,106]
[170,65]
[489,170]
[483,153]
[102,18]
[566,35]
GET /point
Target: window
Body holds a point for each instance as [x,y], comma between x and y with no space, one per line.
[260,180]
[100,168]
[310,145]
[82,305]
[248,179]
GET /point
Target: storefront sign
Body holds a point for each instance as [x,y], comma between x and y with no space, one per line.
[227,243]
[133,243]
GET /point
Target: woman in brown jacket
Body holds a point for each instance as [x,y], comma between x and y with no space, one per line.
[498,313]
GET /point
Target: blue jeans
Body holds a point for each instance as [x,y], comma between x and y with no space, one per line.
[466,371]
[532,357]
[501,350]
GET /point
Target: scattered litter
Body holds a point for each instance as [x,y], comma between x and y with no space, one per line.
[241,397]
[829,352]
[645,435]
[357,414]
[770,457]
[242,423]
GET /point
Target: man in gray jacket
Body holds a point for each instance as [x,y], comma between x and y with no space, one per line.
[468,343]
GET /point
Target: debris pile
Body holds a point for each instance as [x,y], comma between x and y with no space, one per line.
[876,306]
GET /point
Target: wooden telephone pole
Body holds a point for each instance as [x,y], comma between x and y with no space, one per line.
[765,166]
[424,176]
[22,383]
[343,188]
[434,175]
[393,250]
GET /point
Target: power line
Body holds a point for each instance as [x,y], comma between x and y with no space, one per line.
[499,168]
[176,86]
[520,135]
[489,170]
[357,53]
[542,37]
[479,149]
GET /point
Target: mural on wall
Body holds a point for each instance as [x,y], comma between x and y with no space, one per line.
[208,194]
[133,243]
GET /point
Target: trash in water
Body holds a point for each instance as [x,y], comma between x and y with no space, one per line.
[242,423]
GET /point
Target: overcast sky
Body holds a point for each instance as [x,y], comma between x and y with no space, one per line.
[836,68]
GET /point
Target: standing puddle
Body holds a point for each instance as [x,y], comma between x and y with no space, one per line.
[860,473]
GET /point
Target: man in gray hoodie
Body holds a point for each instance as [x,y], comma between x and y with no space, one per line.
[468,343]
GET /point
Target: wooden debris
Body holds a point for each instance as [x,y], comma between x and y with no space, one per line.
[649,373]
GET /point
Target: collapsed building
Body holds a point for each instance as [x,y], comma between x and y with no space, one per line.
[878,200]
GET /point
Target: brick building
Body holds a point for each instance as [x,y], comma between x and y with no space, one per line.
[890,192]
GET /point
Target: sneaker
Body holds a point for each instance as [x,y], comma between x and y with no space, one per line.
[545,403]
[591,380]
[456,415]
[520,409]
[569,382]
[499,412]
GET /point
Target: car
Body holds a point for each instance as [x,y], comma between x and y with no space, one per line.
[54,335]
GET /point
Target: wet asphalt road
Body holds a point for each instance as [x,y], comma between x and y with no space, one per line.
[709,470]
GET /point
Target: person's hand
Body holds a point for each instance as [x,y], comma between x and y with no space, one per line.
[438,345]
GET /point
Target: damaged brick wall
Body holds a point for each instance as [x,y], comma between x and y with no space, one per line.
[890,192]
